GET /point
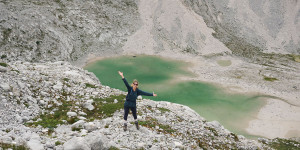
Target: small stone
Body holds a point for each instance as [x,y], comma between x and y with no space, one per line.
[5,87]
[178,144]
[71,114]
[3,69]
[88,106]
[115,101]
[81,118]
[82,113]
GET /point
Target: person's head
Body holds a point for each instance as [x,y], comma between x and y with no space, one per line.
[135,83]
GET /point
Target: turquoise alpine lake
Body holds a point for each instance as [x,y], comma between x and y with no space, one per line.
[164,77]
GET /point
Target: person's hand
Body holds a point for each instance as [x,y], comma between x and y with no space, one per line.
[154,94]
[121,74]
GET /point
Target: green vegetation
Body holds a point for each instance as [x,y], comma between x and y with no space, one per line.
[270,79]
[90,85]
[66,79]
[283,144]
[163,110]
[3,64]
[152,123]
[58,143]
[3,56]
[113,148]
[5,146]
[102,110]
[296,58]
[105,107]
[77,128]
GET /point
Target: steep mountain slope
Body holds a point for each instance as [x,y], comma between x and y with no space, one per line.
[34,30]
[251,26]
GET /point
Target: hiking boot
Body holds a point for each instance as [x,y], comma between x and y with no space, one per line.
[137,125]
[125,127]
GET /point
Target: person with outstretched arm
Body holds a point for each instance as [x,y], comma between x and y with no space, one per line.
[130,103]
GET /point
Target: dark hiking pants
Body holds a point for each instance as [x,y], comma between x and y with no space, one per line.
[126,111]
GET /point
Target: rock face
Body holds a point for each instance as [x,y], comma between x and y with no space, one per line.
[64,30]
[247,27]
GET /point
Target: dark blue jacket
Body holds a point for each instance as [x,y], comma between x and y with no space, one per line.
[132,95]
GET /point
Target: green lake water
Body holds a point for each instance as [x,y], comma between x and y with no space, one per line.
[162,76]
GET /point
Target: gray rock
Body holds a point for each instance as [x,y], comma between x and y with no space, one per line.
[76,143]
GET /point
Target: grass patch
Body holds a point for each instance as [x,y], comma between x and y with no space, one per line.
[3,56]
[296,58]
[58,143]
[59,115]
[270,79]
[90,85]
[66,79]
[163,110]
[49,120]
[3,64]
[283,144]
[5,146]
[104,110]
[152,122]
[113,148]
[76,128]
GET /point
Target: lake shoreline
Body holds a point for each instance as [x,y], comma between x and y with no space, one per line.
[257,126]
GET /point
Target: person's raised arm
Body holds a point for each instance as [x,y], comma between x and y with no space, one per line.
[140,92]
[123,78]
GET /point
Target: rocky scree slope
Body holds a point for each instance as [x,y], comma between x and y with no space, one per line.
[59,106]
[35,31]
[252,27]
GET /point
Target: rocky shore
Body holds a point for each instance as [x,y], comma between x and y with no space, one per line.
[59,106]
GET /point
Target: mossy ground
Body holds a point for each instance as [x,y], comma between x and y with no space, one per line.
[5,146]
[284,144]
[104,107]
[150,122]
[3,64]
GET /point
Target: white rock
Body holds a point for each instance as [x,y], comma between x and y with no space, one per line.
[5,87]
[95,141]
[58,86]
[76,143]
[90,126]
[82,113]
[71,114]
[178,145]
[115,101]
[78,124]
[141,145]
[88,106]
[3,69]
[35,144]
[81,118]
[214,124]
